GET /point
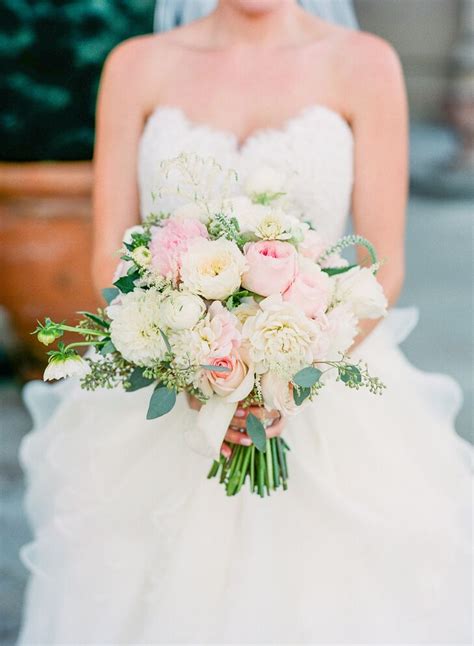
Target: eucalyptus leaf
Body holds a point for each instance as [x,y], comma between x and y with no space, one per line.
[161,402]
[307,377]
[109,293]
[108,348]
[166,340]
[350,373]
[137,380]
[256,432]
[204,366]
[300,394]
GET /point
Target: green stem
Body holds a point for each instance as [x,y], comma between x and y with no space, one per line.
[268,454]
[213,470]
[252,468]
[82,343]
[276,467]
[80,330]
[261,477]
[245,466]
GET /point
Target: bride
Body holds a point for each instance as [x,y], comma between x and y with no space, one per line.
[132,544]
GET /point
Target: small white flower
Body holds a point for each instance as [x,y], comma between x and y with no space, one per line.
[135,327]
[277,225]
[265,180]
[182,310]
[62,365]
[360,289]
[142,256]
[279,337]
[212,268]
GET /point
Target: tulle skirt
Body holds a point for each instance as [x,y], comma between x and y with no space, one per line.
[370,544]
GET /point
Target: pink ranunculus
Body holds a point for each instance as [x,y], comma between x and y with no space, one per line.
[310,292]
[224,334]
[225,384]
[171,240]
[312,245]
[272,267]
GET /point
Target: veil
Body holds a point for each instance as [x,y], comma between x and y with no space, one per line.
[171,13]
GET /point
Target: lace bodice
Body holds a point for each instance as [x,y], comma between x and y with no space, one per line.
[314,149]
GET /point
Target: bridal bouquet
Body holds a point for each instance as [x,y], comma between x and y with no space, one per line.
[234,299]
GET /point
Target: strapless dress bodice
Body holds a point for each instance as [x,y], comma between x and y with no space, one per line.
[314,150]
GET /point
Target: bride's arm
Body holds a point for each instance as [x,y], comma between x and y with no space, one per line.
[379,118]
[119,122]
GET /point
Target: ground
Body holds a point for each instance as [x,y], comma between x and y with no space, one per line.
[438,282]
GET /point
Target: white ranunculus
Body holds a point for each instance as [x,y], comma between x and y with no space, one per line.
[359,288]
[279,337]
[60,367]
[275,224]
[135,326]
[142,256]
[181,310]
[212,268]
[278,394]
[265,179]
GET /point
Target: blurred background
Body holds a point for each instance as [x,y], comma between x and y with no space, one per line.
[51,54]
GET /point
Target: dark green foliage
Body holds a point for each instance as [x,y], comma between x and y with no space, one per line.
[51,55]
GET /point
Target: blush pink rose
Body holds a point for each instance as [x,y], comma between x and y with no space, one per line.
[223,330]
[170,241]
[310,292]
[312,245]
[272,267]
[234,380]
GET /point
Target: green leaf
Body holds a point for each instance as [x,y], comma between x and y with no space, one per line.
[107,348]
[300,394]
[93,317]
[126,284]
[215,368]
[334,271]
[161,402]
[256,432]
[109,293]
[166,340]
[137,380]
[307,377]
[350,373]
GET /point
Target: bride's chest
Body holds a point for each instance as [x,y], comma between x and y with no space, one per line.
[314,150]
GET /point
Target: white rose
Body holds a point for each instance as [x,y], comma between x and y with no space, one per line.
[264,180]
[212,268]
[278,394]
[359,288]
[181,310]
[279,337]
[135,326]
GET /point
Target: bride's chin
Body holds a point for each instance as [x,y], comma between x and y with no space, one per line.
[256,7]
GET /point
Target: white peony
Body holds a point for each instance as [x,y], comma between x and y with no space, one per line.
[265,179]
[181,310]
[279,337]
[135,326]
[212,268]
[360,289]
[278,394]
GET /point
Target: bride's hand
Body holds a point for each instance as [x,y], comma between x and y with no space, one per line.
[234,435]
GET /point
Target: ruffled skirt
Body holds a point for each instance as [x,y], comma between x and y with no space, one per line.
[370,544]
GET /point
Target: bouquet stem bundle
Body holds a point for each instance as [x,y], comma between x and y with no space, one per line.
[266,470]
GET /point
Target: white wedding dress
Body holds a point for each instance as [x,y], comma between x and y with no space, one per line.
[370,544]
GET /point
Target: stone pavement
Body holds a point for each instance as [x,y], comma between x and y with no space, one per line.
[440,269]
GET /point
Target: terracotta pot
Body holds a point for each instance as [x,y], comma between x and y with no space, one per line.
[45,241]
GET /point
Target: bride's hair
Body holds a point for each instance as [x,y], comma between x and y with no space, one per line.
[171,13]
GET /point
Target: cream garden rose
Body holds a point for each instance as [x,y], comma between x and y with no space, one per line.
[278,394]
[213,268]
[279,337]
[360,288]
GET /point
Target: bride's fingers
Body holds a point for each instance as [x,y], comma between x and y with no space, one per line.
[263,413]
[226,451]
[236,437]
[276,428]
